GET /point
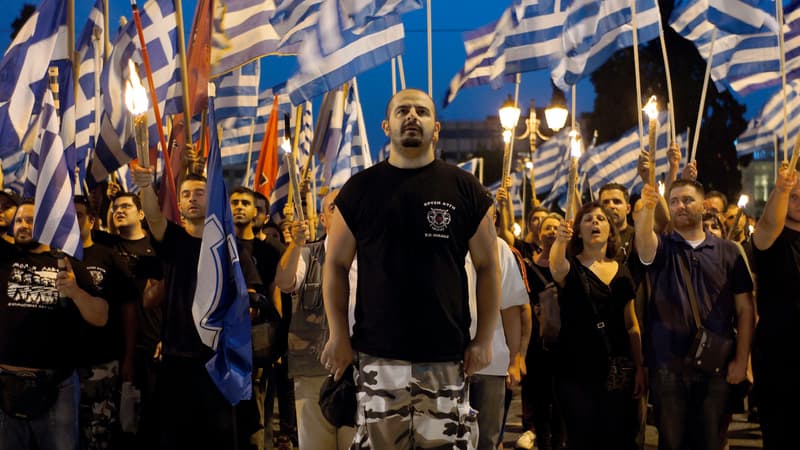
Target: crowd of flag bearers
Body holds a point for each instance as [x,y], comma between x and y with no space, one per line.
[130,276]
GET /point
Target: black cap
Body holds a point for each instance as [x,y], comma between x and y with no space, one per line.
[11,195]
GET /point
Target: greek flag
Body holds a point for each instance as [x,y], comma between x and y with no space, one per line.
[483,53]
[237,92]
[769,122]
[23,72]
[594,31]
[115,144]
[470,165]
[293,21]
[361,49]
[49,181]
[331,117]
[336,16]
[616,162]
[743,16]
[742,62]
[351,157]
[383,153]
[221,302]
[549,162]
[514,192]
[87,106]
[248,34]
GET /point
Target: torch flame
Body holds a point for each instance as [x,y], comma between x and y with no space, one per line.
[661,188]
[286,146]
[135,93]
[751,229]
[575,144]
[651,108]
[743,199]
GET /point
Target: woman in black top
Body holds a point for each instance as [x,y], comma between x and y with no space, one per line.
[599,332]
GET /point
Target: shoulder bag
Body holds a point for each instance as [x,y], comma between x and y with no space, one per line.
[547,312]
[709,352]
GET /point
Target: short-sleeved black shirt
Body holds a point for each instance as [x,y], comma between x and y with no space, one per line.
[582,352]
[412,228]
[778,268]
[111,277]
[36,330]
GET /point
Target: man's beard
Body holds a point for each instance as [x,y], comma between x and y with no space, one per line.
[411,142]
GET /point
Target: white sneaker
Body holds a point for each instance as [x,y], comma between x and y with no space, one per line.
[527,440]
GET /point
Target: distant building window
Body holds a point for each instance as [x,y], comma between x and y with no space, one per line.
[761,186]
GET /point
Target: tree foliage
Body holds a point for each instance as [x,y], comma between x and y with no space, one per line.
[615,105]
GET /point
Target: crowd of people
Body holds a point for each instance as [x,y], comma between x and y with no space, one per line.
[421,295]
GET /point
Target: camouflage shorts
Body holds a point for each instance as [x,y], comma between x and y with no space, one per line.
[99,405]
[404,405]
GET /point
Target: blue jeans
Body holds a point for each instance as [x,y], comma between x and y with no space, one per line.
[487,394]
[55,430]
[689,409]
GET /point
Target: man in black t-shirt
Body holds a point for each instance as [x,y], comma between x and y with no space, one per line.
[412,220]
[194,413]
[104,347]
[136,248]
[776,252]
[250,414]
[43,301]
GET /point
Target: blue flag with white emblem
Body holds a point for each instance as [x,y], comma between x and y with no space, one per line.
[221,301]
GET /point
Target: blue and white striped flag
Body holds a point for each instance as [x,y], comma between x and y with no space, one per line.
[616,162]
[23,71]
[363,49]
[383,153]
[338,16]
[237,92]
[248,34]
[595,30]
[49,182]
[279,195]
[87,107]
[294,21]
[769,122]
[331,116]
[514,192]
[351,157]
[534,42]
[743,62]
[743,16]
[115,144]
[470,165]
[549,162]
[221,302]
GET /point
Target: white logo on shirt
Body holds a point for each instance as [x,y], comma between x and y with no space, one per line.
[439,219]
[32,287]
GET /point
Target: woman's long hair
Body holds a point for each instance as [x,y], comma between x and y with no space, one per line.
[576,243]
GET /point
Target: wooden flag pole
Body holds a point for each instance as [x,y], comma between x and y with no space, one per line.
[187,109]
[149,73]
[670,99]
[73,57]
[703,97]
[106,41]
[250,151]
[779,14]
[394,76]
[402,72]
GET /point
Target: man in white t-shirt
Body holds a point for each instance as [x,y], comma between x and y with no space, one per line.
[487,387]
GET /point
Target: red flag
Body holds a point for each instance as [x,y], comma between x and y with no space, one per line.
[267,167]
[199,59]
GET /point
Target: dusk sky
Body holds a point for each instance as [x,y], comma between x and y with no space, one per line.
[450,19]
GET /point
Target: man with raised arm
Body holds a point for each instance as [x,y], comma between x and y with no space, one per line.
[690,403]
[776,252]
[412,220]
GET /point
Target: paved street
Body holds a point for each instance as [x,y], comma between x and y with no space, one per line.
[742,435]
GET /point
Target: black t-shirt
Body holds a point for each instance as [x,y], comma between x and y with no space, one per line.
[111,277]
[264,256]
[412,228]
[144,264]
[778,268]
[36,330]
[582,352]
[527,249]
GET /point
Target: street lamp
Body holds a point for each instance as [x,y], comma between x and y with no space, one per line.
[509,116]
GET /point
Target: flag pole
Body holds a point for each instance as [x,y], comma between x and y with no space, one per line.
[362,129]
[670,99]
[187,110]
[693,154]
[394,76]
[250,150]
[637,75]
[149,72]
[106,41]
[71,46]
[430,51]
[402,71]
[779,14]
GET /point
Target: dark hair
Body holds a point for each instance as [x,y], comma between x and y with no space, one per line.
[535,210]
[259,196]
[615,187]
[244,190]
[716,218]
[576,243]
[687,182]
[91,211]
[720,196]
[26,201]
[276,226]
[134,198]
[193,177]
